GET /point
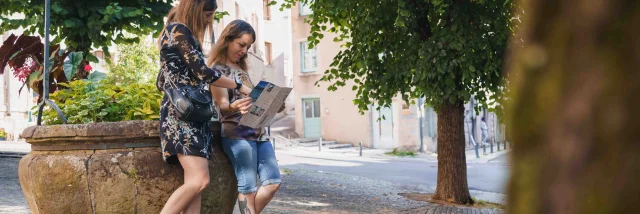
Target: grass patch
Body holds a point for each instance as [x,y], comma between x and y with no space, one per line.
[486,204]
[399,153]
[286,171]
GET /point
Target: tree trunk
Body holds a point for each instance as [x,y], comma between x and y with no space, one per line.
[574,118]
[452,162]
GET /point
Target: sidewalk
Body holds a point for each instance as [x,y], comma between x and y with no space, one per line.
[291,154]
[22,148]
[354,152]
[14,148]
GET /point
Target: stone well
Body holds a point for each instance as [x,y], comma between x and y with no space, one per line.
[111,168]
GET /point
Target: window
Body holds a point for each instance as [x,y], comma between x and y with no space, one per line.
[405,106]
[305,9]
[267,9]
[268,53]
[309,57]
[311,108]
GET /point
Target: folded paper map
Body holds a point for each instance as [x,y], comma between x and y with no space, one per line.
[267,99]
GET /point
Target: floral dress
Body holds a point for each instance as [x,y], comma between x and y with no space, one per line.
[182,63]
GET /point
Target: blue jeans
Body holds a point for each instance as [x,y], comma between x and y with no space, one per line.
[251,159]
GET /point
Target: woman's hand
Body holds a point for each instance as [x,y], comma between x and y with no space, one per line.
[241,105]
[245,90]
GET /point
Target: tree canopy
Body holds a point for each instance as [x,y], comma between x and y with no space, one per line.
[444,50]
[84,25]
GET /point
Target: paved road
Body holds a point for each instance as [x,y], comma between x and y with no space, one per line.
[486,177]
[303,191]
[503,159]
[11,197]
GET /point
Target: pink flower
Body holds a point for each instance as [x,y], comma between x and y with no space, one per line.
[23,72]
[88,68]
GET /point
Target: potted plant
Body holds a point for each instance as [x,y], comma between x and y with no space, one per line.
[107,158]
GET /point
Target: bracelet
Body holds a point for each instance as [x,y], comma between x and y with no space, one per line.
[231,109]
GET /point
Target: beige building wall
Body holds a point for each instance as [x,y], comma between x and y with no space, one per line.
[340,118]
[262,65]
[408,126]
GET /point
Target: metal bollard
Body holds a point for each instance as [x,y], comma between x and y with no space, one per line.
[360,149]
[498,146]
[320,145]
[491,147]
[274,144]
[477,153]
[484,149]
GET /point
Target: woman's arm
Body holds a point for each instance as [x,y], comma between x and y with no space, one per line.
[221,97]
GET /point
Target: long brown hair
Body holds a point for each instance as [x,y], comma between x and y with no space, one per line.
[234,30]
[191,13]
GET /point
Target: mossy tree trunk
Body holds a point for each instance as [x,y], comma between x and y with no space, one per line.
[575,116]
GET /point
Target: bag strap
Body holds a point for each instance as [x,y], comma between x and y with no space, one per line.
[162,76]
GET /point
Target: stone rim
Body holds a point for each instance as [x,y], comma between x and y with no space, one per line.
[106,135]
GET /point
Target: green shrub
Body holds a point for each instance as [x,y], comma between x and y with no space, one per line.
[88,102]
[400,153]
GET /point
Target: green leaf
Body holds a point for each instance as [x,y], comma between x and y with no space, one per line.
[92,58]
[14,55]
[472,69]
[405,13]
[71,65]
[35,76]
[96,76]
[69,24]
[399,22]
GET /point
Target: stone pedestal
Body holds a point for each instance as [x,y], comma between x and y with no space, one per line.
[111,168]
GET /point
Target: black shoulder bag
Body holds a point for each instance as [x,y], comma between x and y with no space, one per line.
[191,103]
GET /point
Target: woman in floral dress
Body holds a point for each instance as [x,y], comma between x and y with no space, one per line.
[182,63]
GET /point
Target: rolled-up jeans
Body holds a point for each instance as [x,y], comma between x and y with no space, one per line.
[251,159]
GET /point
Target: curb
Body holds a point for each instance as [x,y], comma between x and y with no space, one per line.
[8,154]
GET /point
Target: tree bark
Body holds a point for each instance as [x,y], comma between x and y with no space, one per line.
[452,162]
[574,119]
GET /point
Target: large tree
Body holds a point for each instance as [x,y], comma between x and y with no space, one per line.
[443,50]
[84,25]
[574,119]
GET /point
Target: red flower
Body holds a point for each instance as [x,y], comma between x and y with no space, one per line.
[88,68]
[23,72]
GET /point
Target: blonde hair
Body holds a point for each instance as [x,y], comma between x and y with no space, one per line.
[191,13]
[234,30]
